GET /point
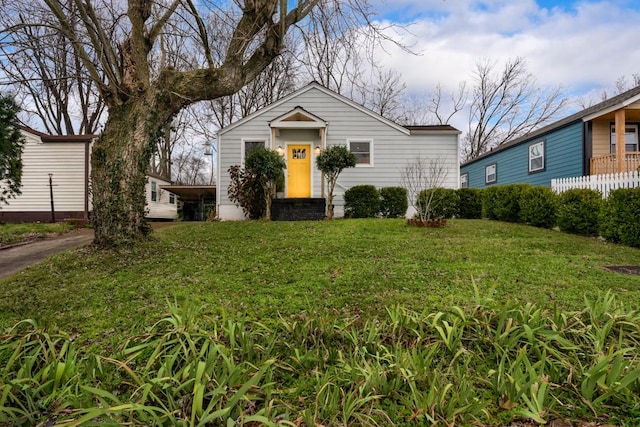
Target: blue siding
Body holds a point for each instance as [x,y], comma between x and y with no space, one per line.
[563,158]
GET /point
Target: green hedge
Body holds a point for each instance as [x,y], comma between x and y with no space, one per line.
[502,202]
[469,203]
[578,211]
[361,201]
[620,217]
[538,206]
[393,202]
[444,202]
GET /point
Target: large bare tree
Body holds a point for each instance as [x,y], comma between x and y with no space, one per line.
[505,104]
[40,67]
[118,44]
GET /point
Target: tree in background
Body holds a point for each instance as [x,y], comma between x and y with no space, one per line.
[11,143]
[506,104]
[331,162]
[40,66]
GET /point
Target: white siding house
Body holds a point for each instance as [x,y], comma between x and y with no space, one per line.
[65,160]
[161,204]
[301,124]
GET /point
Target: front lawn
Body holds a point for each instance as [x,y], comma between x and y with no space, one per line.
[349,322]
[257,271]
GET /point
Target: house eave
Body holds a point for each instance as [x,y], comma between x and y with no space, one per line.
[612,108]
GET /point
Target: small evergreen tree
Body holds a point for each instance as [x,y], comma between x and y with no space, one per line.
[331,162]
[267,168]
[11,143]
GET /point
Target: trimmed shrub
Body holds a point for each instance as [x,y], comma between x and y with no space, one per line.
[393,202]
[502,202]
[620,218]
[538,206]
[361,201]
[578,211]
[443,204]
[469,203]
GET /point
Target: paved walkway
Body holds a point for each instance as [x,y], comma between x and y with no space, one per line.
[19,257]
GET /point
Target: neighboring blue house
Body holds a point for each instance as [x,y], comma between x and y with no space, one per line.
[578,145]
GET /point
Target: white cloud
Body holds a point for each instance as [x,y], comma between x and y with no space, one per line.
[584,46]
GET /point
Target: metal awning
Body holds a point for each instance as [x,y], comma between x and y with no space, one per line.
[192,193]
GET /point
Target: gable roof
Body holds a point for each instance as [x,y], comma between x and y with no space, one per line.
[590,113]
[329,92]
[298,117]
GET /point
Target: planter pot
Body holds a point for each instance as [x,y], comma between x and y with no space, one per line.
[432,223]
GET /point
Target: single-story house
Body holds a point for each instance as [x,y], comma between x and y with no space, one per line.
[56,169]
[601,139]
[312,118]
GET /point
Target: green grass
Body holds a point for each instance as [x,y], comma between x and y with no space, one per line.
[342,323]
[258,271]
[13,233]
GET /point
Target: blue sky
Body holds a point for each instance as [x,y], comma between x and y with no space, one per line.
[583,46]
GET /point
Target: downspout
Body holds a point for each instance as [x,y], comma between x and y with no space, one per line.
[587,147]
[323,144]
[87,163]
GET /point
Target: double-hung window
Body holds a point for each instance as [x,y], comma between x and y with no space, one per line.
[536,157]
[248,145]
[154,191]
[630,138]
[490,173]
[363,150]
[464,180]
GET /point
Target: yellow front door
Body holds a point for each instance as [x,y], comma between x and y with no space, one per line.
[299,171]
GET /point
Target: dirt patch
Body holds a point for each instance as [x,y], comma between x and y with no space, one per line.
[631,270]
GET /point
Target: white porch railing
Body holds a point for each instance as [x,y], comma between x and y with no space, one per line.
[603,183]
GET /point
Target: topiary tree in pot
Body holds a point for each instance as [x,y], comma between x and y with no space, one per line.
[331,162]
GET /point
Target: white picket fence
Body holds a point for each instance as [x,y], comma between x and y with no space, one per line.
[602,183]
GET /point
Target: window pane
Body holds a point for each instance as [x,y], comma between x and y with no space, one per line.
[490,173]
[249,146]
[154,192]
[362,151]
[630,139]
[536,163]
[359,147]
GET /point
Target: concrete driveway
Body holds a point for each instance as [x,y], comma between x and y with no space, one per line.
[19,257]
[16,258]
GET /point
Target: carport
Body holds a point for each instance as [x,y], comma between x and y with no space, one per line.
[196,200]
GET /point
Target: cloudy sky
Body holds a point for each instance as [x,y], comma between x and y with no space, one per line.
[583,45]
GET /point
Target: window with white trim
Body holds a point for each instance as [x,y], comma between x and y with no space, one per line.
[536,157]
[248,145]
[172,199]
[363,150]
[154,191]
[491,173]
[630,138]
[464,180]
